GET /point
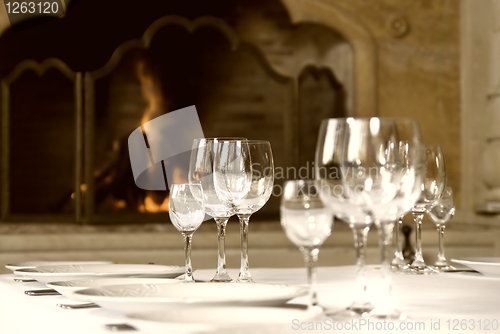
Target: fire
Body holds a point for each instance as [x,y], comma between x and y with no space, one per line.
[151,91]
[150,205]
[152,94]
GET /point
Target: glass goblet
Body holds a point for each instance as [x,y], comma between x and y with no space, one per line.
[383,185]
[186,210]
[307,223]
[441,212]
[201,171]
[432,189]
[329,152]
[261,187]
[398,263]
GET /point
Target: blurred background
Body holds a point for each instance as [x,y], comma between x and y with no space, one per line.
[75,87]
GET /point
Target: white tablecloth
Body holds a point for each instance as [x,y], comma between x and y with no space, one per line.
[449,299]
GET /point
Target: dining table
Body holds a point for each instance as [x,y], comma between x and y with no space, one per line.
[452,302]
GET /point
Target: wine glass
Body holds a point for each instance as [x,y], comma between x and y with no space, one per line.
[382,185]
[373,180]
[201,171]
[187,211]
[412,171]
[329,152]
[432,189]
[399,263]
[440,213]
[307,223]
[261,187]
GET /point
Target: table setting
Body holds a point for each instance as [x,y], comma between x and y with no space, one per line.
[369,173]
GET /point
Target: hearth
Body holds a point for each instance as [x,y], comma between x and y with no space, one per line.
[258,69]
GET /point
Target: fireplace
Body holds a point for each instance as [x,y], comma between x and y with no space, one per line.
[261,69]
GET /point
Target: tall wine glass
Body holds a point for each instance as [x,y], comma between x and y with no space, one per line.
[433,187]
[441,212]
[201,171]
[412,171]
[374,173]
[307,223]
[261,187]
[329,155]
[399,263]
[187,211]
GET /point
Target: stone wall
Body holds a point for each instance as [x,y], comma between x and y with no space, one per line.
[418,68]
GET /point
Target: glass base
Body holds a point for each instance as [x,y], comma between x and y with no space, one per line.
[402,268]
[443,267]
[316,311]
[247,279]
[425,270]
[352,312]
[221,278]
[391,314]
[398,262]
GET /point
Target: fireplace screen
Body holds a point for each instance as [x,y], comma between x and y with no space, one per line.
[64,150]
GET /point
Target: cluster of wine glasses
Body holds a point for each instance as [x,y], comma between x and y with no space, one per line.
[368,171]
[227,176]
[437,200]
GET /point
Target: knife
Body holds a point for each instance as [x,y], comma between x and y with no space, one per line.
[24,280]
[43,292]
[465,270]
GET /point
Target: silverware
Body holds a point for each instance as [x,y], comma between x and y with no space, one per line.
[25,280]
[119,327]
[460,271]
[77,306]
[43,292]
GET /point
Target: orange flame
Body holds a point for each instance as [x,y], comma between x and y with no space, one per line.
[151,91]
[152,94]
[150,205]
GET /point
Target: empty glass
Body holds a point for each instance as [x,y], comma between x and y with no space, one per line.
[261,187]
[201,171]
[441,212]
[383,185]
[329,154]
[307,223]
[399,263]
[433,187]
[187,211]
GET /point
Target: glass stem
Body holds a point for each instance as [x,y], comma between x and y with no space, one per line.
[441,257]
[419,259]
[188,237]
[360,238]
[385,235]
[385,230]
[245,275]
[399,259]
[311,257]
[221,274]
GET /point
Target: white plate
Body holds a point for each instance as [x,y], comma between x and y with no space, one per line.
[68,288]
[33,264]
[225,316]
[488,266]
[161,297]
[46,274]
